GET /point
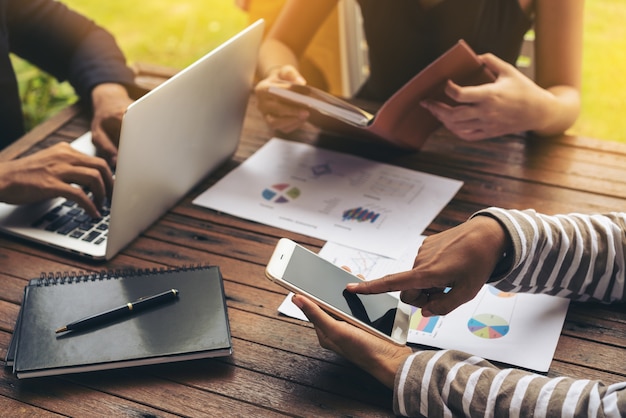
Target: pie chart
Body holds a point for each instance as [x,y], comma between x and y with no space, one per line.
[488,326]
[281,193]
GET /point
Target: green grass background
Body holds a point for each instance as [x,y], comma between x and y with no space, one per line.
[175,33]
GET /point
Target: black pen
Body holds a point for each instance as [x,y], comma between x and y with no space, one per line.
[130,307]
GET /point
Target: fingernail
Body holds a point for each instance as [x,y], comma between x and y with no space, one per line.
[351,286]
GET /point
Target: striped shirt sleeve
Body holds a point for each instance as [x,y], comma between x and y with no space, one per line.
[581,257]
[449,383]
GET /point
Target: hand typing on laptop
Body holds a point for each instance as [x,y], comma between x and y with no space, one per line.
[190,139]
[51,173]
[110,101]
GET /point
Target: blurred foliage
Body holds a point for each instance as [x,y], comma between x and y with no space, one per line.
[41,94]
[173,33]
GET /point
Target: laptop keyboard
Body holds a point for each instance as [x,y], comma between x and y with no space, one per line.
[70,219]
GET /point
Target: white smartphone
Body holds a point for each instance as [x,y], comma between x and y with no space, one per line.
[304,272]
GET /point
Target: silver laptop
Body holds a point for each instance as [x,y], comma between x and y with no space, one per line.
[171,139]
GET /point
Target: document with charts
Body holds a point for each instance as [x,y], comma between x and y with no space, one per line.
[516,328]
[332,196]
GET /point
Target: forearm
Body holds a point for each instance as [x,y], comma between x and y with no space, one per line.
[558,45]
[273,55]
[66,44]
[575,256]
[556,110]
[291,32]
[434,383]
[98,60]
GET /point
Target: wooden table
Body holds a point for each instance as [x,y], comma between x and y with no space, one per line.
[278,367]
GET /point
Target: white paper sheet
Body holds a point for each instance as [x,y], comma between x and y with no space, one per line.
[514,328]
[332,196]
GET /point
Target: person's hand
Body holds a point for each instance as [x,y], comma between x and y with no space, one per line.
[376,356]
[50,173]
[279,115]
[511,104]
[461,259]
[110,101]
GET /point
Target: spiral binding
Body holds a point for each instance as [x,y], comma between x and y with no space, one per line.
[58,278]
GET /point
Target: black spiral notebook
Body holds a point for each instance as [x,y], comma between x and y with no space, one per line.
[192,325]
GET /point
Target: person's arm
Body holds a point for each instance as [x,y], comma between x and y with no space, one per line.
[577,256]
[66,44]
[291,33]
[547,106]
[452,383]
[109,102]
[102,78]
[286,41]
[72,47]
[558,62]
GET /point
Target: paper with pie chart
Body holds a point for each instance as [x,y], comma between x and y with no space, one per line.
[332,196]
[515,328]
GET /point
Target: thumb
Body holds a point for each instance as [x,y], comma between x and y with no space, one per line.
[311,310]
[495,64]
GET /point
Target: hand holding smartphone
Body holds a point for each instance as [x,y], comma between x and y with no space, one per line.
[304,272]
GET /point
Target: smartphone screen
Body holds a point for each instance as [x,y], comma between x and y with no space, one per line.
[327,282]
